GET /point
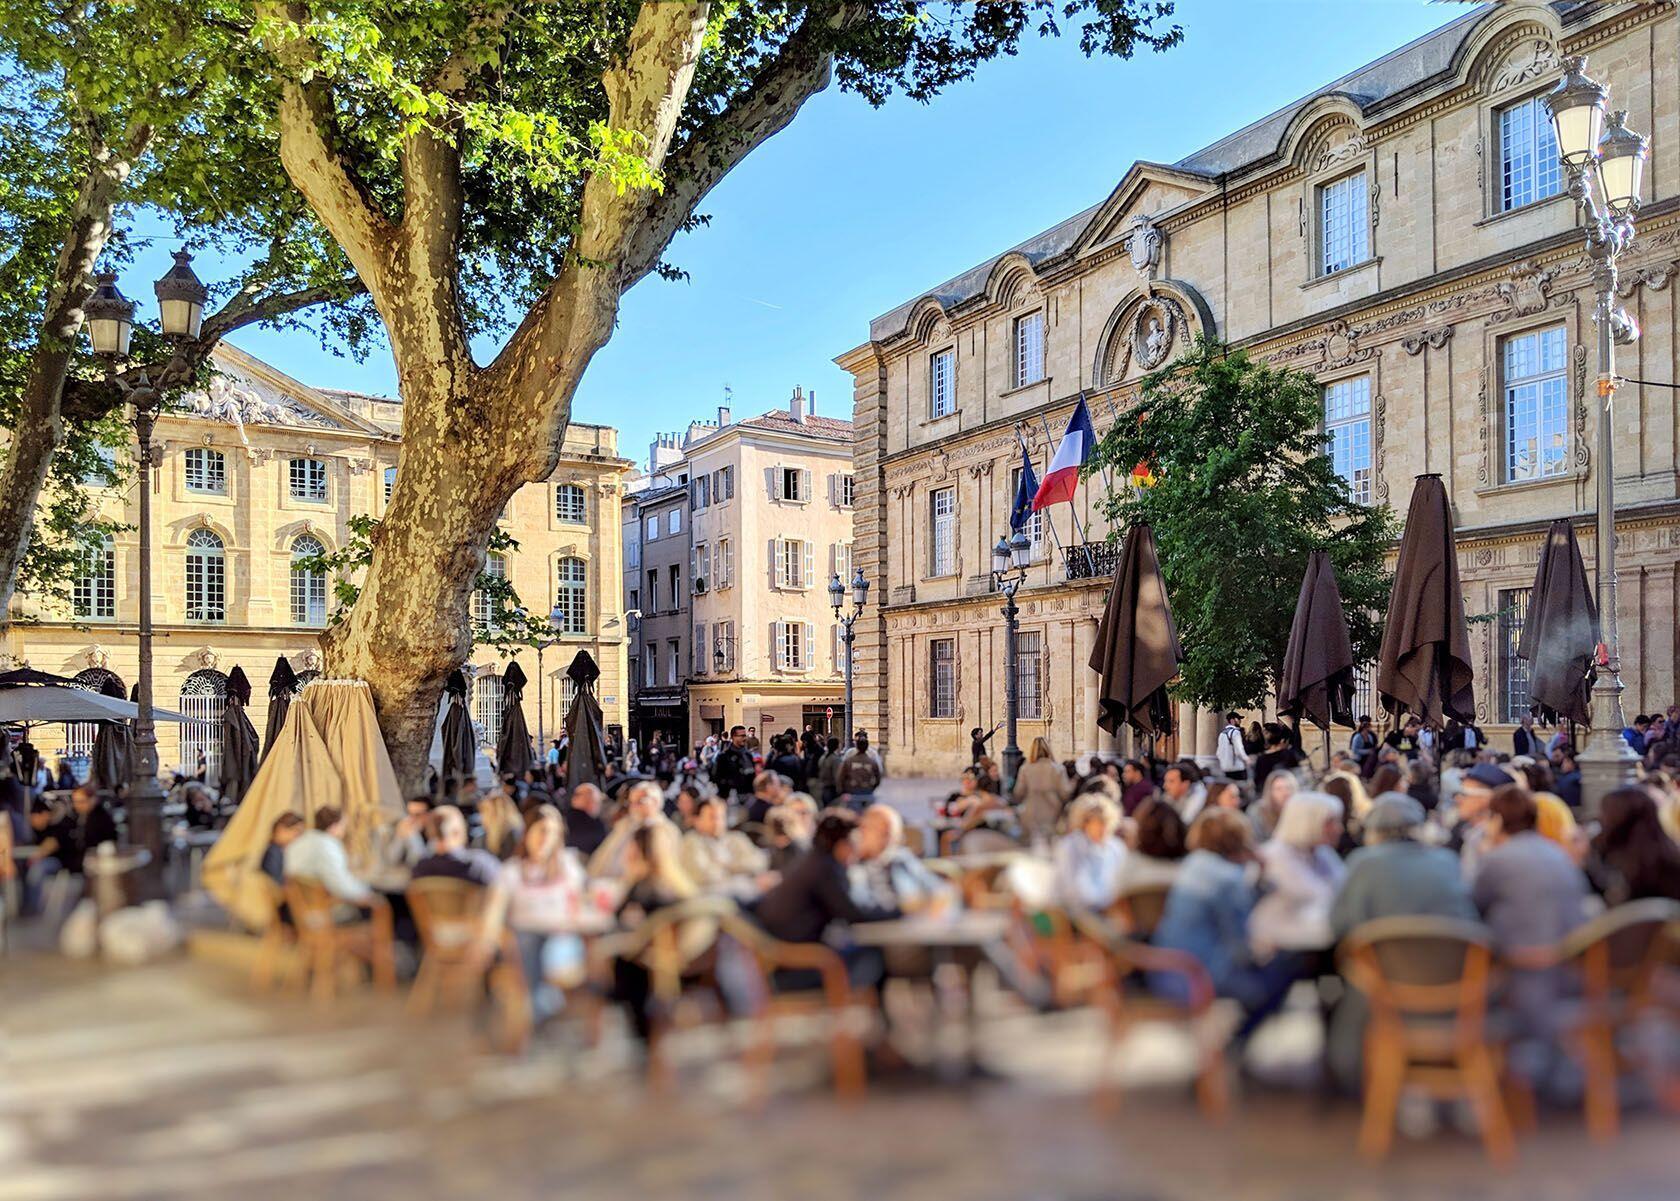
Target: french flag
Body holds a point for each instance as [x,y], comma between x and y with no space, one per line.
[1062,476]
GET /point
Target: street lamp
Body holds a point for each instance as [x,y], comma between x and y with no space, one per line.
[1614,159]
[556,618]
[837,598]
[110,322]
[1010,559]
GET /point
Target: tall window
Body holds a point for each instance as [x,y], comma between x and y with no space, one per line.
[309,479]
[202,699]
[700,566]
[483,601]
[841,554]
[942,383]
[1536,405]
[572,595]
[845,490]
[723,636]
[206,470]
[943,559]
[1529,168]
[206,577]
[673,661]
[309,586]
[942,677]
[676,587]
[793,563]
[793,484]
[792,643]
[725,569]
[93,593]
[487,706]
[570,505]
[652,526]
[650,665]
[673,521]
[390,483]
[1029,674]
[102,472]
[1514,700]
[1035,523]
[1347,433]
[700,491]
[723,484]
[1029,349]
[653,590]
[1344,229]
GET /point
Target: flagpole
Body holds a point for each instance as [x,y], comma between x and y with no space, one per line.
[1048,519]
[1108,472]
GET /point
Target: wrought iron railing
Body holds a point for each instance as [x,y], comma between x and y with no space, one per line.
[1091,560]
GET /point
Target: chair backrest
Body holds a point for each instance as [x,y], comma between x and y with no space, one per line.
[1421,965]
[1618,950]
[982,840]
[311,905]
[915,841]
[446,910]
[1141,909]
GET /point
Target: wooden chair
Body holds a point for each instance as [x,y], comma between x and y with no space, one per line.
[1139,911]
[1616,957]
[1427,980]
[1128,1001]
[277,951]
[447,915]
[324,943]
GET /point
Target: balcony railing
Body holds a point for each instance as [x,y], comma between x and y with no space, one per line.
[1091,560]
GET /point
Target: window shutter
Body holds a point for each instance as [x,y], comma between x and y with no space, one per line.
[776,644]
[778,573]
[804,483]
[776,478]
[808,647]
[810,563]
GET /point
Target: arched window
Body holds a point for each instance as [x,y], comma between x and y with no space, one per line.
[309,587]
[570,504]
[79,736]
[572,596]
[483,603]
[487,707]
[93,593]
[206,577]
[203,697]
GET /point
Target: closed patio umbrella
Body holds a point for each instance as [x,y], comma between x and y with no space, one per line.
[1137,652]
[1424,666]
[239,740]
[112,762]
[586,753]
[1317,678]
[1560,632]
[460,743]
[513,745]
[282,687]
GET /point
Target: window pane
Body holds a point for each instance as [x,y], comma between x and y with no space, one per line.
[944,532]
[572,595]
[483,603]
[1528,155]
[1514,700]
[1029,674]
[1347,431]
[1343,227]
[1029,349]
[941,394]
[206,577]
[206,470]
[309,588]
[309,479]
[93,593]
[487,707]
[570,504]
[942,699]
[1536,411]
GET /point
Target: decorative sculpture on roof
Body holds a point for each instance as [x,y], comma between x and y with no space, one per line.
[1144,242]
[242,402]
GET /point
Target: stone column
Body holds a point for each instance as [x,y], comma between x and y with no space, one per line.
[869,542]
[1186,730]
[1207,734]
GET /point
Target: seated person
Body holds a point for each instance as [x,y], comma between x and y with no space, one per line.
[769,789]
[644,805]
[719,859]
[1302,873]
[318,855]
[813,896]
[538,896]
[971,807]
[451,857]
[404,844]
[787,835]
[1206,916]
[91,825]
[653,879]
[284,832]
[1156,839]
[585,831]
[885,874]
[1089,858]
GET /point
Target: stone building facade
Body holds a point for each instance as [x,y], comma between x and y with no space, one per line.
[260,469]
[1401,234]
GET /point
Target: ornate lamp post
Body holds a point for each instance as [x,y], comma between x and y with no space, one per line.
[543,641]
[1010,559]
[1613,158]
[110,322]
[837,598]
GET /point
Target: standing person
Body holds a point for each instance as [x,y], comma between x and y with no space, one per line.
[860,773]
[785,761]
[734,769]
[827,766]
[1364,739]
[1524,741]
[1041,789]
[977,740]
[1233,758]
[1135,786]
[1279,755]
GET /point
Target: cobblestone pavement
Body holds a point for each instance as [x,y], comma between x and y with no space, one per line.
[173,1081]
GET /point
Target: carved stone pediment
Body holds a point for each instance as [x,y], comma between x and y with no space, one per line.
[1144,242]
[1527,290]
[1534,58]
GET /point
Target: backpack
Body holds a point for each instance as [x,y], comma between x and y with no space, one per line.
[858,774]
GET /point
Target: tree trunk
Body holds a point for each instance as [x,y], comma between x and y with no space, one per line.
[40,425]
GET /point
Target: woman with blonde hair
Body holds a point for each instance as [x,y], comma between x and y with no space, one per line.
[504,829]
[1041,789]
[1089,857]
[539,898]
[1302,876]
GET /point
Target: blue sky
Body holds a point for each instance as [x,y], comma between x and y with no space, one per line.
[852,210]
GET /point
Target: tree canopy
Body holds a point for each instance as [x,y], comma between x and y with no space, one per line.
[1242,494]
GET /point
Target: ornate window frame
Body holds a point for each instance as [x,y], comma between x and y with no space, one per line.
[1543,311]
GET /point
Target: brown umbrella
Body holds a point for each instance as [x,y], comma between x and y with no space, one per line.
[460,743]
[1424,667]
[513,744]
[282,687]
[1137,652]
[240,749]
[1560,632]
[1317,680]
[586,754]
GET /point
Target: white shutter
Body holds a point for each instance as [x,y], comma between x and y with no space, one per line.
[776,478]
[810,562]
[777,657]
[776,580]
[808,647]
[804,483]
[833,489]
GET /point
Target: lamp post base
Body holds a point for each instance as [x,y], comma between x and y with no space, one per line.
[1607,763]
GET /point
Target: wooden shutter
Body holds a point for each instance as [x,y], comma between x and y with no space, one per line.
[778,659]
[805,483]
[775,562]
[808,647]
[810,549]
[776,478]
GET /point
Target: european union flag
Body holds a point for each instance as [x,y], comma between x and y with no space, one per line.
[1022,510]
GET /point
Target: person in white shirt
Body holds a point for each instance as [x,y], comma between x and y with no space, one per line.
[886,874]
[1230,752]
[319,855]
[719,859]
[1302,874]
[1089,858]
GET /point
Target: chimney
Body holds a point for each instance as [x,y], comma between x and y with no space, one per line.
[796,406]
[811,404]
[723,416]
